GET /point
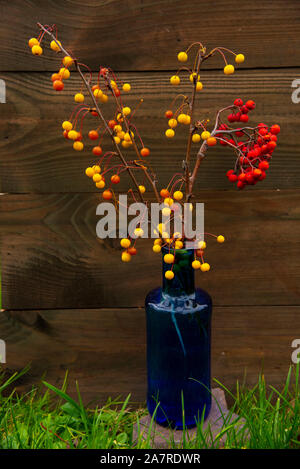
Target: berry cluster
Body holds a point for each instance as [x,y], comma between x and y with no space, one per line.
[253,146]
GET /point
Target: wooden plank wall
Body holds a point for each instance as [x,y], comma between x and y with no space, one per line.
[68,301]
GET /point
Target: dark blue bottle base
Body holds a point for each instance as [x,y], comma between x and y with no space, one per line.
[178,357]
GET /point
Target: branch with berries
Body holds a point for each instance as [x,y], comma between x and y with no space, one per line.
[252,146]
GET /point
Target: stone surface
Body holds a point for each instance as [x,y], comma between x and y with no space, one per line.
[219,414]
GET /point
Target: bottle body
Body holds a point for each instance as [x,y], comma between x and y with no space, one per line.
[178,349]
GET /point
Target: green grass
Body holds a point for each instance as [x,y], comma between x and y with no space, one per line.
[47,417]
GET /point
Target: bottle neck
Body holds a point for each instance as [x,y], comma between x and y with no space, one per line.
[183,283]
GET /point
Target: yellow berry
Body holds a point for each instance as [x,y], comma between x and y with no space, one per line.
[98,93]
[96,168]
[192,77]
[117,140]
[128,137]
[196,138]
[169,258]
[119,117]
[126,87]
[78,146]
[196,264]
[199,86]
[168,201]
[178,195]
[126,144]
[205,267]
[125,243]
[100,184]
[117,128]
[175,80]
[33,42]
[103,98]
[187,119]
[172,123]
[169,133]
[126,111]
[67,61]
[55,45]
[37,50]
[138,232]
[239,58]
[220,239]
[205,135]
[166,211]
[72,134]
[156,248]
[67,125]
[97,177]
[181,118]
[229,69]
[178,244]
[126,257]
[89,172]
[142,189]
[161,227]
[64,73]
[169,275]
[121,135]
[113,84]
[182,56]
[79,98]
[202,245]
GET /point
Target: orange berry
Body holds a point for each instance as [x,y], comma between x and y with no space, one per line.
[112,123]
[211,141]
[58,85]
[164,193]
[145,152]
[93,135]
[107,194]
[115,179]
[97,151]
[55,76]
[132,251]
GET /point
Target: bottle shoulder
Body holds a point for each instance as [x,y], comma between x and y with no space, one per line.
[157,300]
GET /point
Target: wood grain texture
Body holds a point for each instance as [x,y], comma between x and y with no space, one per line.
[146,35]
[104,349]
[51,257]
[34,157]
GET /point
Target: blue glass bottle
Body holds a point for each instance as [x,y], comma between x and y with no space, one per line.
[178,346]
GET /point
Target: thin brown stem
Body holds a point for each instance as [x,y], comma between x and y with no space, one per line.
[189,144]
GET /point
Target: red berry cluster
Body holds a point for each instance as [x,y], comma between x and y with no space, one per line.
[254,152]
[241,114]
